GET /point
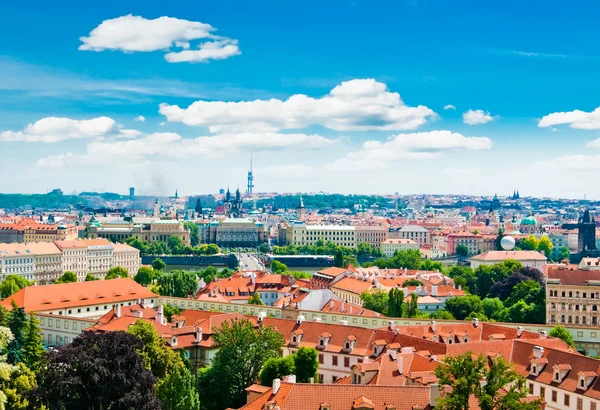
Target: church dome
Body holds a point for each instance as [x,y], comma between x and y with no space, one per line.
[530,220]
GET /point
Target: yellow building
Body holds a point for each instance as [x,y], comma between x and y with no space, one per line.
[298,233]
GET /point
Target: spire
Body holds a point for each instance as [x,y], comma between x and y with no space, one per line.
[176,194]
[491,207]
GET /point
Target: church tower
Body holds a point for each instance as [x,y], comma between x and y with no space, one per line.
[301,210]
[156,212]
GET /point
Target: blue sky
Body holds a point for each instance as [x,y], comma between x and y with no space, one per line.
[516,63]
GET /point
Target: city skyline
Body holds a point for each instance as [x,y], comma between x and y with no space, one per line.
[359,97]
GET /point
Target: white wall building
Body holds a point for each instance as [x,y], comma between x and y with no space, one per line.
[390,246]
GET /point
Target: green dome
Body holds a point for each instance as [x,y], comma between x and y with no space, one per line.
[530,220]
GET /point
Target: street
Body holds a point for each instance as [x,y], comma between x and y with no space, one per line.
[249,261]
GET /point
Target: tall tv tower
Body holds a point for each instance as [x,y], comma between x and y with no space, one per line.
[250,177]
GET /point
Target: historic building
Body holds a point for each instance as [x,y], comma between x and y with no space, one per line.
[234,233]
[299,233]
[233,204]
[586,237]
[145,229]
[530,259]
[390,246]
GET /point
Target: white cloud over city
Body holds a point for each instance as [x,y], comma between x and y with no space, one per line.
[476,117]
[137,34]
[575,119]
[356,105]
[56,129]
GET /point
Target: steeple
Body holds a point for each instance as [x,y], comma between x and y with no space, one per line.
[176,194]
[300,211]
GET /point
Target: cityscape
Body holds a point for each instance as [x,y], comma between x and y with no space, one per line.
[238,206]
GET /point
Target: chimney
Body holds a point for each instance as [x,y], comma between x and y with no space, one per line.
[160,309]
[198,335]
[343,307]
[475,322]
[519,331]
[261,316]
[300,319]
[118,310]
[538,351]
[312,380]
[290,378]
[160,317]
[433,326]
[276,385]
[543,334]
[400,363]
[459,287]
[392,354]
[391,324]
[350,309]
[434,394]
[143,303]
[434,291]
[331,305]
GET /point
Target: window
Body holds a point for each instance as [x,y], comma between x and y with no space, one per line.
[335,361]
[346,362]
[334,378]
[321,359]
[567,400]
[543,392]
[530,388]
[579,403]
[320,378]
[592,406]
[554,396]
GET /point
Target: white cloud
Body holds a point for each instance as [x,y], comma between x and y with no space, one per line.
[449,107]
[141,118]
[55,129]
[215,50]
[138,34]
[554,129]
[356,105]
[474,117]
[172,145]
[162,124]
[576,119]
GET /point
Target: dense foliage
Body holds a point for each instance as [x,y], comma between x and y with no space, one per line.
[173,246]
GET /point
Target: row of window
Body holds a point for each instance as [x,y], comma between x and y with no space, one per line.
[576,294]
[570,306]
[566,398]
[574,319]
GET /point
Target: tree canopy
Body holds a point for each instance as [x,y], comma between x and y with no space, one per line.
[98,371]
[563,334]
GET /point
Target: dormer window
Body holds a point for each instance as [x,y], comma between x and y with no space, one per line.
[347,345]
[586,379]
[174,341]
[323,341]
[557,376]
[324,406]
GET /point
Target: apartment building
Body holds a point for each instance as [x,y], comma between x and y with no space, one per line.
[298,233]
[80,299]
[415,233]
[390,246]
[27,231]
[373,235]
[573,296]
[97,256]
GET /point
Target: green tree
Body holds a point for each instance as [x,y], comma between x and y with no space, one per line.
[462,251]
[90,278]
[175,245]
[194,229]
[144,276]
[563,334]
[13,284]
[178,283]
[4,315]
[442,315]
[462,306]
[264,248]
[18,388]
[462,374]
[338,258]
[243,349]
[412,282]
[116,272]
[413,306]
[17,323]
[33,350]
[178,390]
[255,299]
[493,308]
[503,389]
[278,267]
[377,301]
[158,264]
[395,302]
[545,245]
[276,368]
[563,253]
[529,244]
[67,277]
[155,354]
[170,310]
[306,360]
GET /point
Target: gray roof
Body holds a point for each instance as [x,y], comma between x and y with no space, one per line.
[413,228]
